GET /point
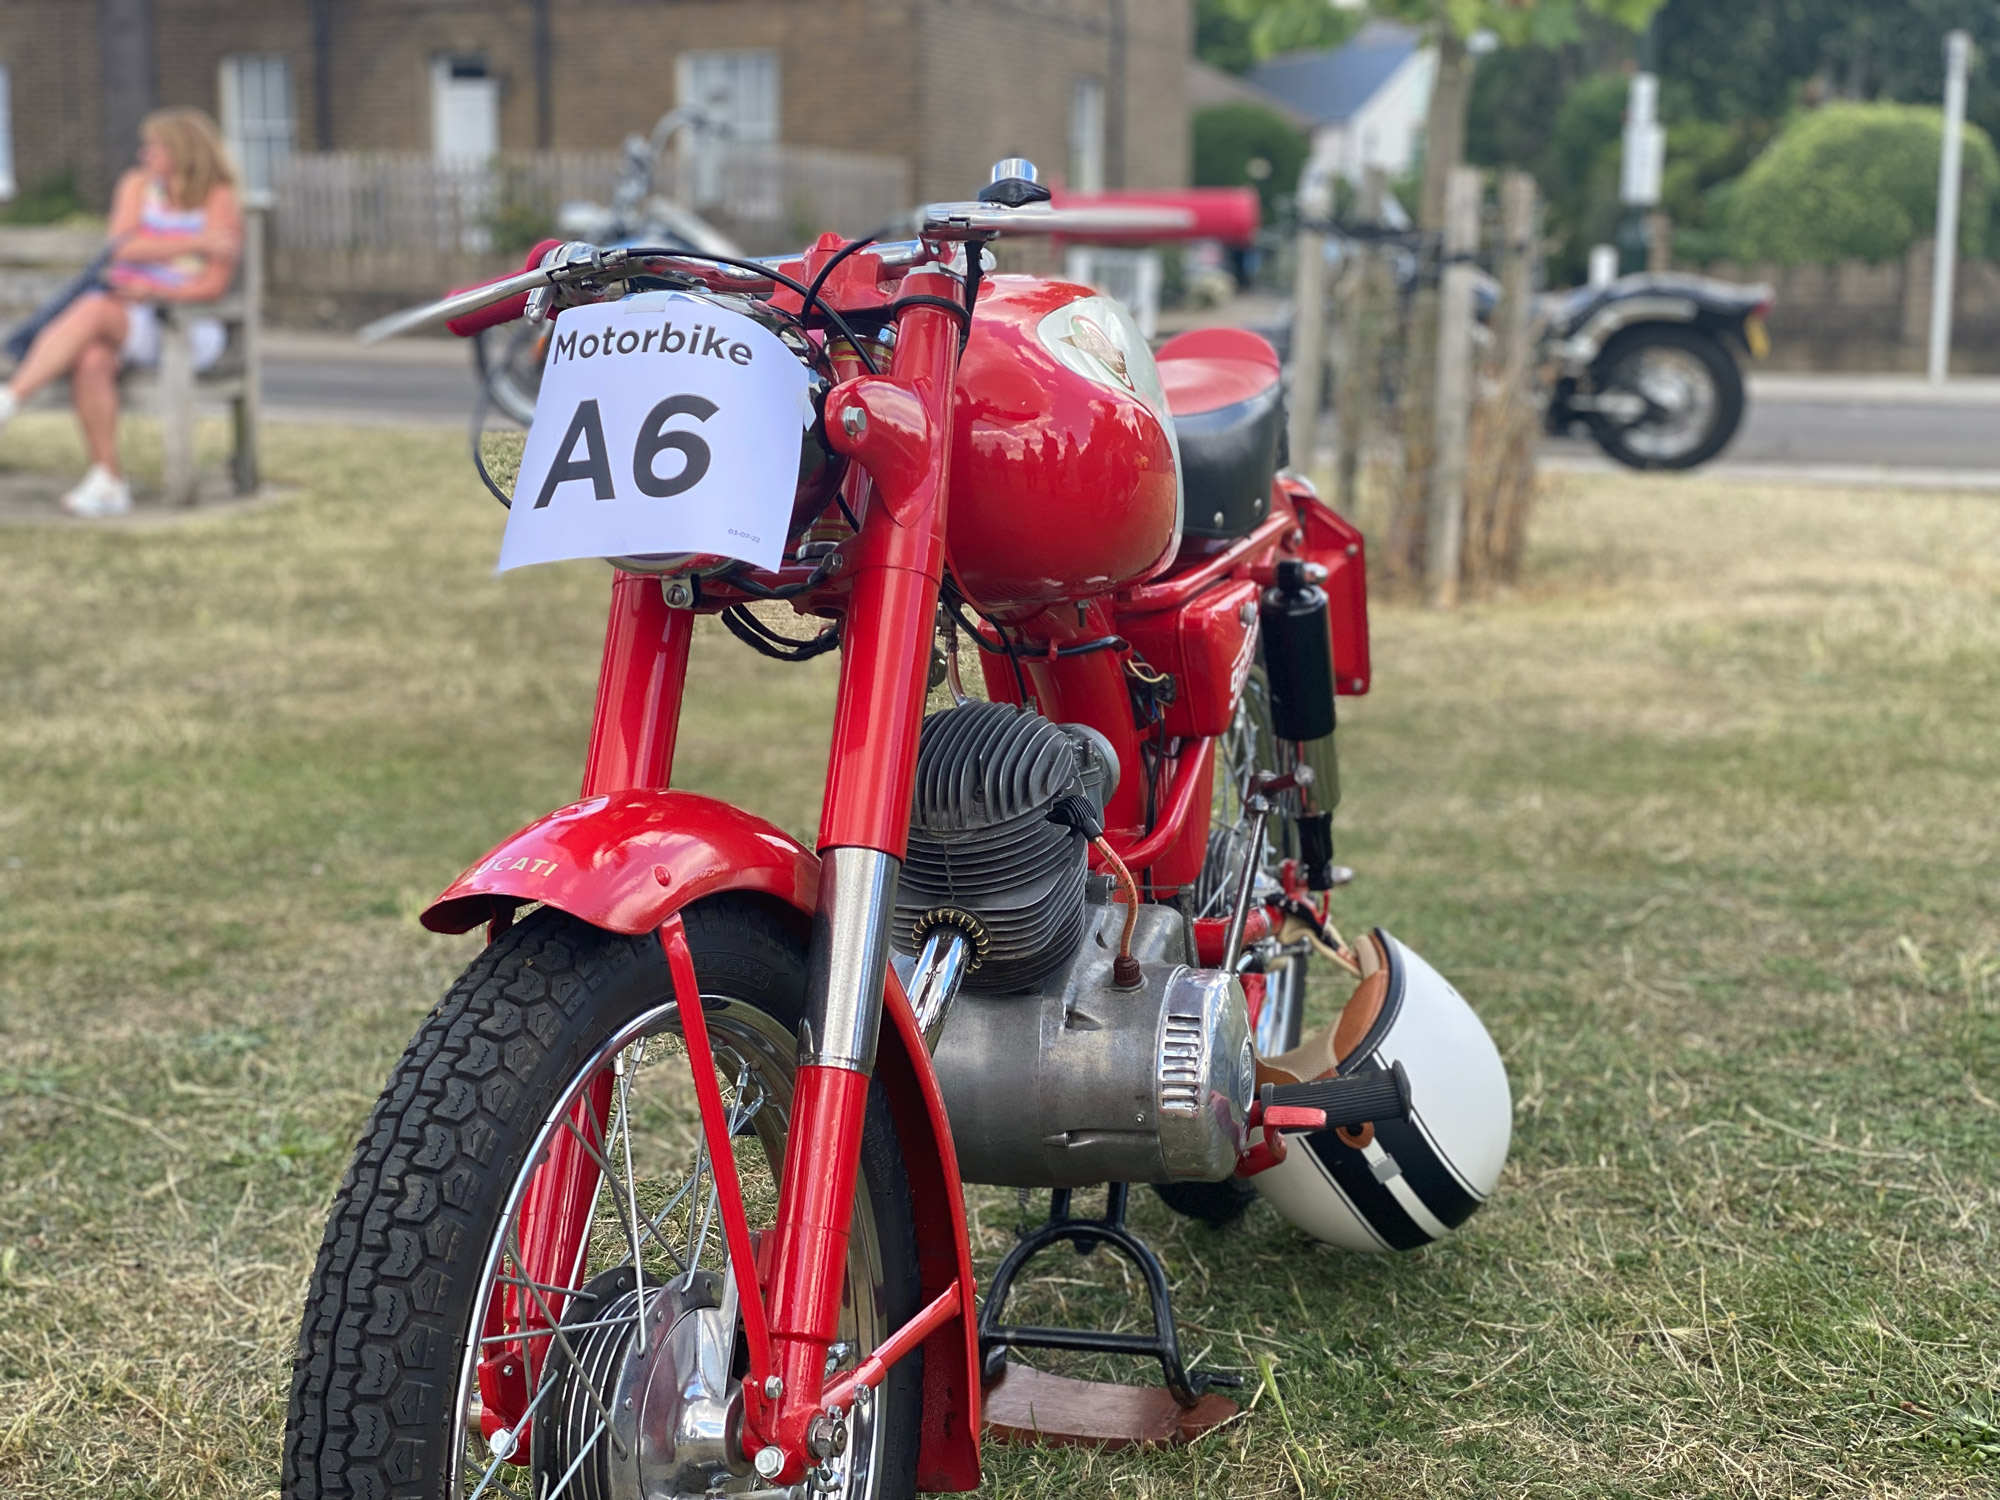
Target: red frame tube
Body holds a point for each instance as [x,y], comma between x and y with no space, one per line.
[875,1368]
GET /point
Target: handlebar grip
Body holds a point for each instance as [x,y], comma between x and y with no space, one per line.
[504,311]
[1351,1099]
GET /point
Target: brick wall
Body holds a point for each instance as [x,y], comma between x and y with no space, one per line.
[49,48]
[997,78]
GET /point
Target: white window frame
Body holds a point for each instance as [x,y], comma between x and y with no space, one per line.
[739,86]
[258,119]
[1086,134]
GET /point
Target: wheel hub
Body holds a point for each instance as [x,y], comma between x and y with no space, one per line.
[642,1416]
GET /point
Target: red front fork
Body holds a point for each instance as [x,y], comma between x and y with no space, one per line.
[902,435]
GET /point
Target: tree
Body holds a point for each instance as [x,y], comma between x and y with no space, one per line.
[1857,181]
[1247,145]
[1235,35]
[1734,60]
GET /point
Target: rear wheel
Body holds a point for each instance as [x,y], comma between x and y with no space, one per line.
[458,1340]
[1681,395]
[1248,748]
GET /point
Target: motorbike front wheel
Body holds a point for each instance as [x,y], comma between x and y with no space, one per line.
[523,1291]
[1684,391]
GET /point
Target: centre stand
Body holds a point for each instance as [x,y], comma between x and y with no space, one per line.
[1028,1405]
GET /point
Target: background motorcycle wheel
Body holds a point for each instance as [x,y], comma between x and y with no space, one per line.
[509,360]
[1664,360]
[1248,748]
[384,1396]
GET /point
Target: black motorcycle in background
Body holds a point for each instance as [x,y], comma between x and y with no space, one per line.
[1649,364]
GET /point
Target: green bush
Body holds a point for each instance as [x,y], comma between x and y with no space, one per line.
[1247,145]
[1857,181]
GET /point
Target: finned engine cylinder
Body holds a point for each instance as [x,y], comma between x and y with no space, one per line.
[1053,1073]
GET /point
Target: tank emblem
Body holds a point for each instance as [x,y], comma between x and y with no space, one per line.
[1094,341]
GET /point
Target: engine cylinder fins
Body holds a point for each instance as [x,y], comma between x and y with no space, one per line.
[989,763]
[982,845]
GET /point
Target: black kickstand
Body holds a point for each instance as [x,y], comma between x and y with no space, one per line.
[1186,1386]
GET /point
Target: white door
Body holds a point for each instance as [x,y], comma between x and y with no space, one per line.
[465,110]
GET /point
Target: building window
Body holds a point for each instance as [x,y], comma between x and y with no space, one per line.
[465,109]
[257,116]
[1086,136]
[737,90]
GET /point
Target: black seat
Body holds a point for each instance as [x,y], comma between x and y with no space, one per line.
[1225,392]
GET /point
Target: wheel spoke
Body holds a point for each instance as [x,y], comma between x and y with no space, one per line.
[569,1352]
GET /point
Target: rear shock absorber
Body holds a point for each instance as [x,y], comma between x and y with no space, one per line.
[1298,661]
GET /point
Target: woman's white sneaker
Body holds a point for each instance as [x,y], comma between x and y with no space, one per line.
[102,493]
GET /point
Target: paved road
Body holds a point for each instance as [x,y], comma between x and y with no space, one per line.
[1844,429]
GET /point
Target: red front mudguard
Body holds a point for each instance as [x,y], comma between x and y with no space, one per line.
[627,861]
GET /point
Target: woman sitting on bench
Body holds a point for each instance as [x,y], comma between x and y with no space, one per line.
[177,233]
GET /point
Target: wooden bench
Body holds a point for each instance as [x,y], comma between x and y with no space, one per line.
[173,389]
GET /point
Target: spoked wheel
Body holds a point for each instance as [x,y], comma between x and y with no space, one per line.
[510,359]
[523,1289]
[1248,747]
[1684,394]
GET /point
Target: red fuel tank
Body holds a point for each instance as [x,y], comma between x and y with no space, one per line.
[1065,481]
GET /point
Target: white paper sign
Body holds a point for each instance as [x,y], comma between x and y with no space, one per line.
[665,424]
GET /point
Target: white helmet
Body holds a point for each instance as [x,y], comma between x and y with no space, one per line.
[1396,1184]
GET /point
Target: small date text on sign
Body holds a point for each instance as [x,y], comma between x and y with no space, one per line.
[665,424]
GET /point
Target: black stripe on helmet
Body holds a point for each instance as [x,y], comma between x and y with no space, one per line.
[1372,1200]
[1429,1178]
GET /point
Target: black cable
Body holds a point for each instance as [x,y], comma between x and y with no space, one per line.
[760,638]
[480,405]
[812,292]
[926,299]
[807,295]
[736,579]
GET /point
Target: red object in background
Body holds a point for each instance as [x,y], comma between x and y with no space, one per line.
[1231,215]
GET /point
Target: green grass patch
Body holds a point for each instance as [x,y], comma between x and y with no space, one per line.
[1702,820]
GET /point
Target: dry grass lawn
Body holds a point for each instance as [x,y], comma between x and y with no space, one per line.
[1703,820]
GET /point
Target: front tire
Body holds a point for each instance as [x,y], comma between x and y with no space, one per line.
[387,1395]
[1692,390]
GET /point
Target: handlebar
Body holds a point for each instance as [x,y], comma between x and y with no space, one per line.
[552,264]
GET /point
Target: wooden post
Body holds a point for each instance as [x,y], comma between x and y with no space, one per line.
[176,398]
[1307,394]
[1444,535]
[1360,371]
[249,405]
[1518,212]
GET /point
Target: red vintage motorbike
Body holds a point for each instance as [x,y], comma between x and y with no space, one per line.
[665,1197]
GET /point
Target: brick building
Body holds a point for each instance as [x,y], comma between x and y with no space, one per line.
[1093,90]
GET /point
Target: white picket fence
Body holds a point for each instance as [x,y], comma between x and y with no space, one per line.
[768,197]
